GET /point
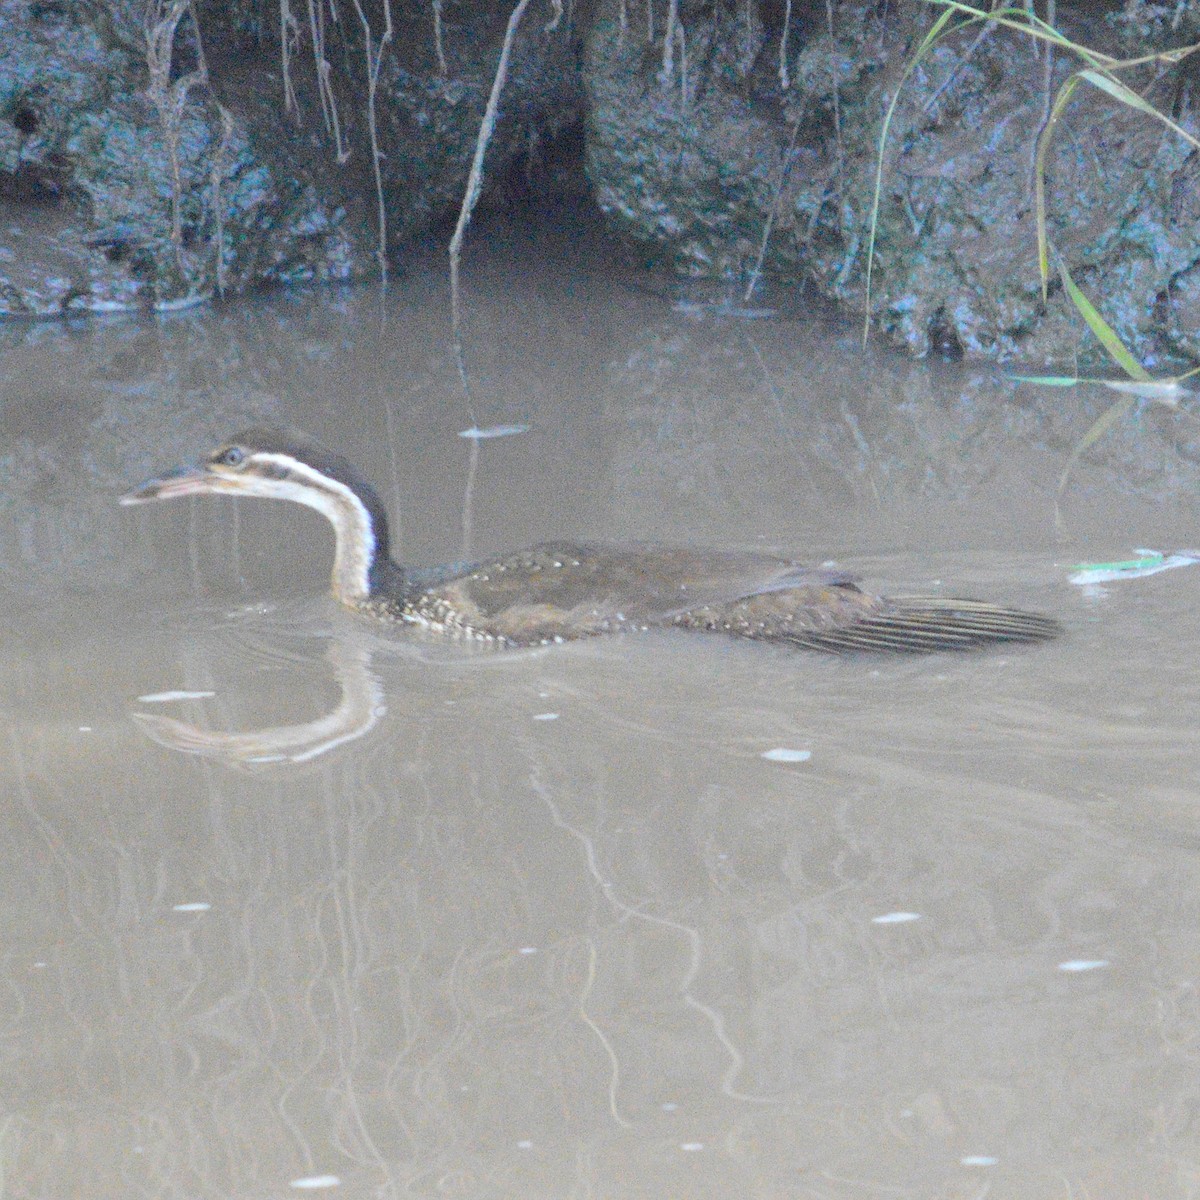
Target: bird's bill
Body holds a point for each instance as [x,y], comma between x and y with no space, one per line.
[184,481]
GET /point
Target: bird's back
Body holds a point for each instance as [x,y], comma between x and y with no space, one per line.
[561,591]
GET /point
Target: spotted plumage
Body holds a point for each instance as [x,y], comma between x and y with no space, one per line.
[560,591]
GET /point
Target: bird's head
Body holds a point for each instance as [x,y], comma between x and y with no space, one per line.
[280,464]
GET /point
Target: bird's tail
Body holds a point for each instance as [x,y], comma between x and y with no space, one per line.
[921,624]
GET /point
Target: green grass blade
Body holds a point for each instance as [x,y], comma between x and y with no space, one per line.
[1126,95]
[1039,180]
[1119,352]
[1099,427]
[1021,21]
[1101,328]
[1168,392]
[1062,381]
[929,40]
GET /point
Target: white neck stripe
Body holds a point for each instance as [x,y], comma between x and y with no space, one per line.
[353,527]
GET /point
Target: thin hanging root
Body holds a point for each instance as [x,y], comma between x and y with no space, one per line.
[289,33]
[170,98]
[374,63]
[668,59]
[475,178]
[784,80]
[683,67]
[438,47]
[329,109]
[769,223]
[217,177]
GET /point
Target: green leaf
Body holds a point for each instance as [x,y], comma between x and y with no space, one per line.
[1126,95]
[1101,328]
[1039,179]
[1062,381]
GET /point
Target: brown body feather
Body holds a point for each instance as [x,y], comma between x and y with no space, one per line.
[561,591]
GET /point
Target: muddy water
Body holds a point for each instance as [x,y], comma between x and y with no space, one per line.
[292,904]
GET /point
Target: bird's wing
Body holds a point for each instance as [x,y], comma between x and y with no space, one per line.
[568,590]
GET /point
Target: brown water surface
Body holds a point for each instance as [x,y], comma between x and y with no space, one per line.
[364,911]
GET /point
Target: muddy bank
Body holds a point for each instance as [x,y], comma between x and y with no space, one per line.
[149,160]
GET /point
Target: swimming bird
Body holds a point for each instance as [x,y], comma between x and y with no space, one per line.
[563,590]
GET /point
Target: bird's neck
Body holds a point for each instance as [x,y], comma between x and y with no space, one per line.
[361,566]
[355,563]
[388,580]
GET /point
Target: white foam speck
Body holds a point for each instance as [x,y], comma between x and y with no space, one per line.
[545,716]
[168,697]
[493,431]
[978,1160]
[312,1183]
[192,906]
[783,754]
[895,918]
[1083,964]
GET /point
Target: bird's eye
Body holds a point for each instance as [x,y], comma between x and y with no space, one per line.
[233,457]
